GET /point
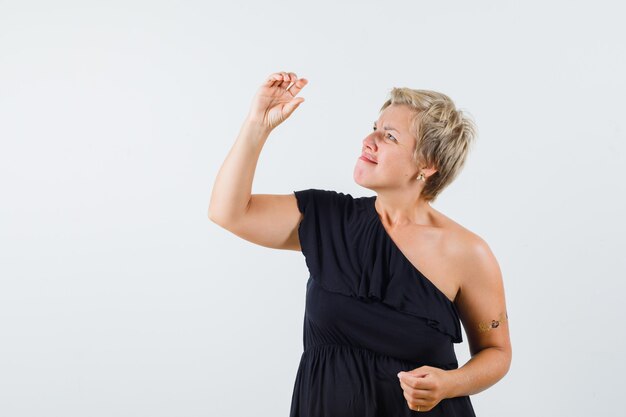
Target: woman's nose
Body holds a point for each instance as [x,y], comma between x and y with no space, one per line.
[370,140]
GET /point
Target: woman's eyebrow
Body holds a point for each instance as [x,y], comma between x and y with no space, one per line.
[389,128]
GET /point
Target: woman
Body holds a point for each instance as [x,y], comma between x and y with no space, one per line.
[391,278]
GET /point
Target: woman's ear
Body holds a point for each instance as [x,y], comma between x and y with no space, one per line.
[428,172]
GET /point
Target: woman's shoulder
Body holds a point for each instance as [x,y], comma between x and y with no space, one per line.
[456,234]
[468,250]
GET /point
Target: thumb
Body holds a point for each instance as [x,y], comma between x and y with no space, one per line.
[292,105]
[416,373]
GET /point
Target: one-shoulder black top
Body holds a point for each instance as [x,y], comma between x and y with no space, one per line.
[369,314]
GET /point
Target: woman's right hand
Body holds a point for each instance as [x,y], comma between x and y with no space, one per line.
[274,102]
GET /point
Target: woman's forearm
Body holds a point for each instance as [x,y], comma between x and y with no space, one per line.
[479,373]
[233,186]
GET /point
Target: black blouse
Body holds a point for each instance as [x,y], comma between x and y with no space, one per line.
[369,314]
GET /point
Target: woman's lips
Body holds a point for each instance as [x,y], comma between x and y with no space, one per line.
[366,160]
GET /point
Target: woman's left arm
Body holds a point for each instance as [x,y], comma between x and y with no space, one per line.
[482,310]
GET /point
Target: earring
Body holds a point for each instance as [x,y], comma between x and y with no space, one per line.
[421,177]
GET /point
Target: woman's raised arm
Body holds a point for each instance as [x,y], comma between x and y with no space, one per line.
[264,219]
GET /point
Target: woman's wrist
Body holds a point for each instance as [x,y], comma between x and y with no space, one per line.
[452,383]
[255,124]
[254,131]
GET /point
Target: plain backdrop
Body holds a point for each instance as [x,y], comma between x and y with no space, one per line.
[119,297]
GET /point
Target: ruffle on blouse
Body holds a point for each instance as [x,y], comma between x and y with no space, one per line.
[348,251]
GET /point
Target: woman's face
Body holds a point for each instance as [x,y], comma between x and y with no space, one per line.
[391,145]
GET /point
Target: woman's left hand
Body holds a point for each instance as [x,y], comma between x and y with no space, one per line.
[424,387]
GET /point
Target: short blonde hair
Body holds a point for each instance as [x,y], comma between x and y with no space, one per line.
[443,135]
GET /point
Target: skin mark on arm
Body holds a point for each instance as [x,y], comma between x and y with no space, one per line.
[486,326]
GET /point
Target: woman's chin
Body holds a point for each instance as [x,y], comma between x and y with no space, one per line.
[357,176]
[360,179]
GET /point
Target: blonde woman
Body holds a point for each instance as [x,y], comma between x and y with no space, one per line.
[391,278]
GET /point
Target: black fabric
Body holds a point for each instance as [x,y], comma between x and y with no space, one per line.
[369,314]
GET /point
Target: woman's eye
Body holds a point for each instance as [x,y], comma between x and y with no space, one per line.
[388,134]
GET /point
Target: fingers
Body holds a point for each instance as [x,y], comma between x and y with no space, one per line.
[411,387]
[279,79]
[282,79]
[297,86]
[288,78]
[412,393]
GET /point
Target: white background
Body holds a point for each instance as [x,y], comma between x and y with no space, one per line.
[118,297]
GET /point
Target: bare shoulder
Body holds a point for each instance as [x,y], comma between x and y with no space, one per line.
[463,244]
[470,253]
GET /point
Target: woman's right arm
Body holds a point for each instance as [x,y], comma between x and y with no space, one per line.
[265,219]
